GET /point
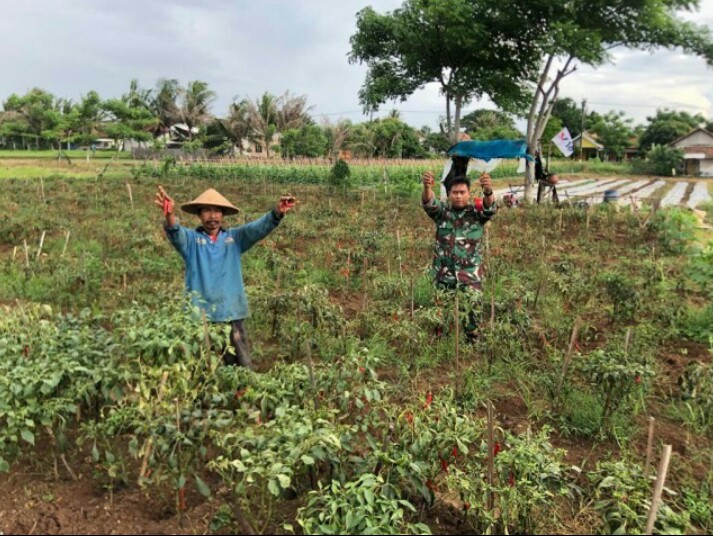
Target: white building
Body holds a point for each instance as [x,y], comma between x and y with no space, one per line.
[697,147]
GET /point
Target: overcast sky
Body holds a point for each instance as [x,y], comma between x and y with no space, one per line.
[244,48]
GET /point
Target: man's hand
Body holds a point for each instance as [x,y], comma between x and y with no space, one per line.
[487,184]
[286,203]
[428,183]
[167,205]
[428,180]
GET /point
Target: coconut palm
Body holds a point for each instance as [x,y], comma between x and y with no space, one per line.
[238,125]
[194,108]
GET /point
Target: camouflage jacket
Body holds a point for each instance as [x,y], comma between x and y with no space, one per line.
[458,253]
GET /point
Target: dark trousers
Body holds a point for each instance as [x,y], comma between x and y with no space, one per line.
[241,353]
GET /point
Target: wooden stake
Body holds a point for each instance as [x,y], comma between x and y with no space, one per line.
[14,252]
[649,447]
[131,197]
[658,488]
[568,356]
[627,341]
[27,253]
[491,457]
[64,249]
[412,300]
[398,242]
[42,242]
[364,284]
[310,370]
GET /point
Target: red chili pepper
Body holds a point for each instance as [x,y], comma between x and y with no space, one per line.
[478,204]
[362,370]
[26,350]
[455,452]
[496,449]
[166,207]
[466,506]
[444,465]
[511,480]
[430,485]
[429,400]
[409,417]
[638,379]
[240,393]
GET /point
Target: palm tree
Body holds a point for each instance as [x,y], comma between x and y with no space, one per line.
[238,125]
[163,104]
[263,119]
[194,109]
[337,134]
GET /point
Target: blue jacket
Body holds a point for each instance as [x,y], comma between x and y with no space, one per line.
[214,274]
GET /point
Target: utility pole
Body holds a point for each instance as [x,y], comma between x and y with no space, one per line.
[581,135]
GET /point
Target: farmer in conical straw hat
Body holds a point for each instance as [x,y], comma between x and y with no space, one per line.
[212,255]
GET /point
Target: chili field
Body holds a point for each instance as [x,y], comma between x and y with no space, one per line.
[368,412]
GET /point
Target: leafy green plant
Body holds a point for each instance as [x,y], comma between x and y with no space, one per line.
[615,377]
[367,505]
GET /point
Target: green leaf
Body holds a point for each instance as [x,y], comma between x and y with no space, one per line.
[284,481]
[28,436]
[273,487]
[307,460]
[203,488]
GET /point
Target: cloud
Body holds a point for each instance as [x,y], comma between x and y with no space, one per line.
[244,48]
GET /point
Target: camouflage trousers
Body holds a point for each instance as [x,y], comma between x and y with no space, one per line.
[469,305]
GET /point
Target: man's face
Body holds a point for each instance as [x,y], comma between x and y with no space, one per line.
[459,196]
[211,218]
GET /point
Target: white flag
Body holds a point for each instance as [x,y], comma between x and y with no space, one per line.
[563,141]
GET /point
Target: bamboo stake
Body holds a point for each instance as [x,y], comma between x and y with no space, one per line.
[64,249]
[310,370]
[401,269]
[14,252]
[412,300]
[658,488]
[42,242]
[491,457]
[568,356]
[131,197]
[627,341]
[649,447]
[365,283]
[27,253]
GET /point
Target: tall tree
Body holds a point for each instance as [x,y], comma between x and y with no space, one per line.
[164,105]
[490,125]
[569,114]
[337,133]
[238,125]
[585,32]
[667,125]
[614,131]
[470,48]
[35,113]
[194,108]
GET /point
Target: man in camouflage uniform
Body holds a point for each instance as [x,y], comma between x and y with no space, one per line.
[458,258]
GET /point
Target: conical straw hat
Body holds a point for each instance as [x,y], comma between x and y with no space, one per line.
[212,198]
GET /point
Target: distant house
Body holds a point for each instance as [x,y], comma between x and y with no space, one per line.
[590,146]
[697,147]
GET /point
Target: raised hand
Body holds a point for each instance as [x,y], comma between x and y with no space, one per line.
[286,203]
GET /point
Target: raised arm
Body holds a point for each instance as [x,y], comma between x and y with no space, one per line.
[177,235]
